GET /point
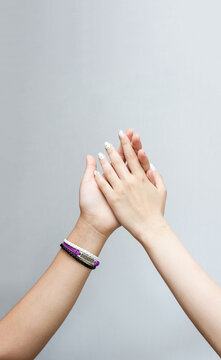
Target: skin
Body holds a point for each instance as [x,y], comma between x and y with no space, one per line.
[139,207]
[26,329]
[30,324]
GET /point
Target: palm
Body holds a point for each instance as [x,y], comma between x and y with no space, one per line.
[93,204]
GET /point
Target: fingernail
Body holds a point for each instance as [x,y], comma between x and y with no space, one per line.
[96,172]
[152,167]
[107,145]
[121,134]
[100,156]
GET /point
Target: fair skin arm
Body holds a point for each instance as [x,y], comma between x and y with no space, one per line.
[27,328]
[30,324]
[139,207]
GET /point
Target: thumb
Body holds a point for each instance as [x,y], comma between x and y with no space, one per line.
[90,167]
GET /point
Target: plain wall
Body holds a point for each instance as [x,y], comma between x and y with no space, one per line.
[72,74]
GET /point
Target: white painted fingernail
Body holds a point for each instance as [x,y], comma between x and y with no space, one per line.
[152,167]
[96,172]
[121,134]
[107,145]
[100,156]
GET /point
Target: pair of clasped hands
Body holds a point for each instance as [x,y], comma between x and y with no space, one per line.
[130,192]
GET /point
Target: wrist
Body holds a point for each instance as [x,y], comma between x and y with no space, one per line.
[87,236]
[151,230]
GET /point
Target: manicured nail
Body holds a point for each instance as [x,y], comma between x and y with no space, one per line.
[152,167]
[100,156]
[121,134]
[107,145]
[96,172]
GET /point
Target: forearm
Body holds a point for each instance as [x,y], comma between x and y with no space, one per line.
[196,292]
[26,329]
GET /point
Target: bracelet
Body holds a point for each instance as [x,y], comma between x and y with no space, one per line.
[77,258]
[82,256]
[82,250]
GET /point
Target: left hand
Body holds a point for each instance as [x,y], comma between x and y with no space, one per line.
[94,208]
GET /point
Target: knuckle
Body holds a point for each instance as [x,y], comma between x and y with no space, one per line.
[116,160]
[130,155]
[107,171]
[120,191]
[115,198]
[131,181]
[142,176]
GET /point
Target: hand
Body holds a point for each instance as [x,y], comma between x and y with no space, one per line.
[94,207]
[141,155]
[136,202]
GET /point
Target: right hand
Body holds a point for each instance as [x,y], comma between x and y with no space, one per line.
[136,202]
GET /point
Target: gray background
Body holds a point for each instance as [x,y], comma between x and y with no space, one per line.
[72,74]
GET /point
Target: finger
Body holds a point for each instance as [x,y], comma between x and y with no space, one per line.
[129,133]
[136,143]
[143,159]
[159,181]
[151,177]
[103,185]
[129,153]
[116,161]
[109,173]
